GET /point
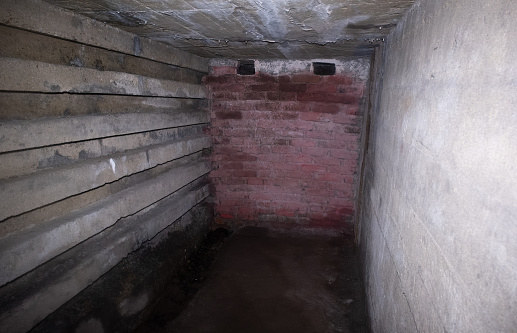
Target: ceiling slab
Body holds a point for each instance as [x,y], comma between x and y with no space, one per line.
[281,29]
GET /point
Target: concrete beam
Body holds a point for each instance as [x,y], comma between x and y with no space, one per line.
[25,162]
[35,76]
[67,275]
[42,188]
[21,252]
[41,17]
[21,44]
[18,135]
[23,106]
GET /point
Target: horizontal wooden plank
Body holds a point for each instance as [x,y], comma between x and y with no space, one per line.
[22,163]
[19,135]
[35,76]
[21,252]
[23,106]
[23,194]
[22,44]
[76,269]
[41,17]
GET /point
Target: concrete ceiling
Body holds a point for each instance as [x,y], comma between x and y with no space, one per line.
[281,29]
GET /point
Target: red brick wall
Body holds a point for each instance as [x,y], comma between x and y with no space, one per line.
[286,147]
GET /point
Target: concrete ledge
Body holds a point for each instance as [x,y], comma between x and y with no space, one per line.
[19,253]
[25,162]
[18,135]
[41,188]
[42,17]
[23,106]
[59,280]
[35,76]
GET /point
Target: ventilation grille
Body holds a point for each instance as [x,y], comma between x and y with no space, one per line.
[246,67]
[324,68]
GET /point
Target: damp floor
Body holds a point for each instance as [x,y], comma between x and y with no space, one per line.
[269,281]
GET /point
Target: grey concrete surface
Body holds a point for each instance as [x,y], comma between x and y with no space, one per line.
[439,212]
[22,106]
[38,16]
[270,281]
[74,271]
[45,241]
[281,29]
[18,43]
[89,176]
[20,135]
[35,76]
[42,188]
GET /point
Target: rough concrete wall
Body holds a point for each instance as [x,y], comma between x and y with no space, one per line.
[286,142]
[102,148]
[439,215]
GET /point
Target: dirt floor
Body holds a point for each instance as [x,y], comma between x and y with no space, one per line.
[265,281]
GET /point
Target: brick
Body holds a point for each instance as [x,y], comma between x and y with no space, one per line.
[314,116]
[284,79]
[344,154]
[225,95]
[342,98]
[322,88]
[237,132]
[285,115]
[255,181]
[292,87]
[298,174]
[331,108]
[303,142]
[281,96]
[329,161]
[244,173]
[256,150]
[314,168]
[285,212]
[231,165]
[310,97]
[263,78]
[227,86]
[223,70]
[229,115]
[315,134]
[282,165]
[262,196]
[345,118]
[253,95]
[332,177]
[284,182]
[264,87]
[212,80]
[323,194]
[339,79]
[314,151]
[242,157]
[285,150]
[306,78]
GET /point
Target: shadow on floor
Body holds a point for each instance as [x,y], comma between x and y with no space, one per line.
[268,281]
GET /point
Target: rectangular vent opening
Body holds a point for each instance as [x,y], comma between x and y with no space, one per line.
[246,67]
[324,68]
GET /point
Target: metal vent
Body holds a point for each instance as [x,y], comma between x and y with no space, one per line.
[246,67]
[324,68]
